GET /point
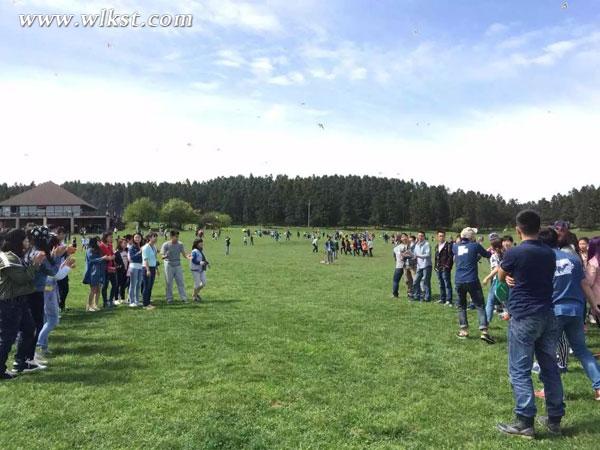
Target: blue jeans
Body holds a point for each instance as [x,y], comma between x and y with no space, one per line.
[135,285]
[148,285]
[396,281]
[490,302]
[51,312]
[528,336]
[444,278]
[573,328]
[423,274]
[15,316]
[474,290]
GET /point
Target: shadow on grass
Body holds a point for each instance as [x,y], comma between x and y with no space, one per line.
[102,373]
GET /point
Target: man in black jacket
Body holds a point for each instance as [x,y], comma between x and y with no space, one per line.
[444,258]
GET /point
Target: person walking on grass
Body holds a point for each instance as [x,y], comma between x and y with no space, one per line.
[198,266]
[444,260]
[422,253]
[136,270]
[570,292]
[533,328]
[16,283]
[466,280]
[150,263]
[171,252]
[95,272]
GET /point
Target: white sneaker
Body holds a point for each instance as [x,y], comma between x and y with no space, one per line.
[133,305]
[38,359]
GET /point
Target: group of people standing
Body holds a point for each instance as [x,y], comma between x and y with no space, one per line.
[34,268]
[32,263]
[541,286]
[133,268]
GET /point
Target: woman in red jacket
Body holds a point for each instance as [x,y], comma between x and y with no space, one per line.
[106,249]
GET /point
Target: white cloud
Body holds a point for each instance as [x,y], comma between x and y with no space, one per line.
[495,29]
[321,74]
[288,79]
[230,58]
[205,85]
[358,73]
[261,66]
[75,116]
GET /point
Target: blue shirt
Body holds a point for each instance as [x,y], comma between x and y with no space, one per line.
[422,252]
[532,264]
[149,254]
[568,296]
[466,261]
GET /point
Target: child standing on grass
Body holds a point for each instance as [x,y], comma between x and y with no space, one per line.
[122,264]
[198,266]
[94,273]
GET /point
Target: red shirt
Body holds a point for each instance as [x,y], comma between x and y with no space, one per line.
[107,250]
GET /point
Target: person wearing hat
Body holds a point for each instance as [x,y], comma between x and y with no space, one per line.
[466,279]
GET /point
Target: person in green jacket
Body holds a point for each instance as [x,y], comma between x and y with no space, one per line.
[16,282]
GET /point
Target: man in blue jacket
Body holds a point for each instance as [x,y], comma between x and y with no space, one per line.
[466,278]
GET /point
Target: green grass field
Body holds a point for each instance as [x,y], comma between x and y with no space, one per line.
[285,352]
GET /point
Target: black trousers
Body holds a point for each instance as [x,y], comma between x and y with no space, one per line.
[123,282]
[15,317]
[36,307]
[63,292]
[111,278]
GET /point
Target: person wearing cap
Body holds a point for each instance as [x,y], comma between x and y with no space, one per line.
[466,257]
[171,252]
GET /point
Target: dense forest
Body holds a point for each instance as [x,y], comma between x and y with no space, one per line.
[338,201]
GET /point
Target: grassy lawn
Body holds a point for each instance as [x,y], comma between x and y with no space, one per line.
[285,352]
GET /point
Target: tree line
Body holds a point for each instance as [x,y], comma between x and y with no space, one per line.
[337,201]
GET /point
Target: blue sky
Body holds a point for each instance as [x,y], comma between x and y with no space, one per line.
[457,92]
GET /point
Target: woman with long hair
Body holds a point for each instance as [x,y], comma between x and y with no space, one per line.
[136,270]
[16,283]
[95,272]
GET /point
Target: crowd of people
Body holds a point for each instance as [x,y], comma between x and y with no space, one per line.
[547,287]
[34,285]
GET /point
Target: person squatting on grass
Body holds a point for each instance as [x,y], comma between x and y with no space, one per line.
[466,280]
[171,252]
[570,292]
[198,266]
[16,283]
[533,328]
